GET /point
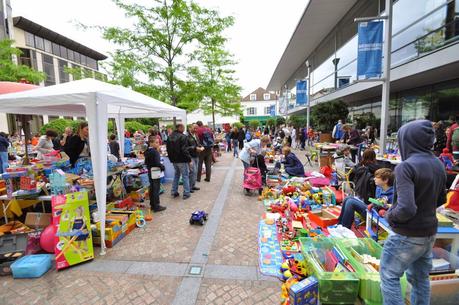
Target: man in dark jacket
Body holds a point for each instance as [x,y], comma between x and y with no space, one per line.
[194,148]
[420,188]
[4,144]
[206,138]
[179,155]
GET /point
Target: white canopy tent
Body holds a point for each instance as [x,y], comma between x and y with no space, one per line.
[97,101]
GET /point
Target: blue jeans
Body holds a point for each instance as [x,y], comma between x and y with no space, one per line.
[194,172]
[410,254]
[235,147]
[3,161]
[351,205]
[181,169]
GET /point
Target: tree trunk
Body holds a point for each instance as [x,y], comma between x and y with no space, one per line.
[213,113]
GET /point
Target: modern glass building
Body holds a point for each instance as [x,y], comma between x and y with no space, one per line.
[425,58]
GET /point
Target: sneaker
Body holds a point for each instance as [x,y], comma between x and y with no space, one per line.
[185,197]
[159,208]
[195,188]
[191,191]
[207,180]
[175,195]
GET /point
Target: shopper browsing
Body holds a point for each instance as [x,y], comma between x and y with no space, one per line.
[206,138]
[78,145]
[420,184]
[4,144]
[194,148]
[154,166]
[384,180]
[292,164]
[252,148]
[179,155]
[45,144]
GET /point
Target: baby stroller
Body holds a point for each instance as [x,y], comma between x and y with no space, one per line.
[254,175]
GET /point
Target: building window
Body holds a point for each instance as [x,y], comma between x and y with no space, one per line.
[268,110]
[253,97]
[83,60]
[29,40]
[24,58]
[77,72]
[34,60]
[91,63]
[39,43]
[56,49]
[63,52]
[48,46]
[76,56]
[48,68]
[88,73]
[251,111]
[63,76]
[266,96]
[70,55]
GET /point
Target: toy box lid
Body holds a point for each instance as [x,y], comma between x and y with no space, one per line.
[305,284]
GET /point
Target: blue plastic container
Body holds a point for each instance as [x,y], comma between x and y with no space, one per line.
[31,266]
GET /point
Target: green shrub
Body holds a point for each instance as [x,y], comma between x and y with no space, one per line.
[254,124]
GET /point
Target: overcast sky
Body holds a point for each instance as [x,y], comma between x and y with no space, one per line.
[258,39]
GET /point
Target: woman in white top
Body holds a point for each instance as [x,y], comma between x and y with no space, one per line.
[253,147]
[45,144]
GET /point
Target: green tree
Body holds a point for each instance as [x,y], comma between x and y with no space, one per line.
[325,115]
[271,122]
[365,119]
[297,121]
[152,57]
[215,83]
[280,120]
[10,71]
[254,124]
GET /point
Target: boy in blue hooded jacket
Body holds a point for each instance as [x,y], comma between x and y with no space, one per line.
[420,188]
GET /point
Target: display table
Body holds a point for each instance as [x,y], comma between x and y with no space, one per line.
[15,206]
[449,233]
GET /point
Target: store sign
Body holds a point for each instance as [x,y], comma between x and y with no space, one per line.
[282,104]
[370,49]
[301,92]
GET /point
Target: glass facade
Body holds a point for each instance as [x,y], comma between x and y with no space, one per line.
[58,50]
[435,102]
[48,68]
[417,30]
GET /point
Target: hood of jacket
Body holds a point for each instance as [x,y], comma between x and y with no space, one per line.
[416,137]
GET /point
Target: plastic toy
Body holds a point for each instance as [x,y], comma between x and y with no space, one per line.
[47,239]
[139,219]
[198,217]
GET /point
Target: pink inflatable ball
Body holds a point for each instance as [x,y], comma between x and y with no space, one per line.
[47,239]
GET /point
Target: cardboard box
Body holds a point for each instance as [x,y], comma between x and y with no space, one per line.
[304,292]
[323,218]
[38,220]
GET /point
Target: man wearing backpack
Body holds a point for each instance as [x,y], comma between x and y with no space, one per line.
[179,155]
[206,138]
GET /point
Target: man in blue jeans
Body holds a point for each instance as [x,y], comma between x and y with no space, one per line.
[420,188]
[4,144]
[179,155]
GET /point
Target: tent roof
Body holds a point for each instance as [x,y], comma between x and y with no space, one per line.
[72,97]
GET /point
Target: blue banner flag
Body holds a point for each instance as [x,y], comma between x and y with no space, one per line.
[301,92]
[370,49]
[272,110]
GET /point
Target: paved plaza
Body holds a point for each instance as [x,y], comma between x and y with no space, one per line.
[169,261]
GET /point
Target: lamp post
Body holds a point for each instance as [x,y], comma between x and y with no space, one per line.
[308,109]
[335,63]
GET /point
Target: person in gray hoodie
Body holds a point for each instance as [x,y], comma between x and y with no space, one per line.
[420,188]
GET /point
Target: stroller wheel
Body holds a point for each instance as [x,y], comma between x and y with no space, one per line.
[246,192]
[260,191]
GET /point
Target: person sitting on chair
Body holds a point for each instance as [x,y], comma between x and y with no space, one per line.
[292,164]
[384,180]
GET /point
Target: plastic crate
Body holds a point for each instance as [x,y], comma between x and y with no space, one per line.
[370,282]
[334,287]
[31,266]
